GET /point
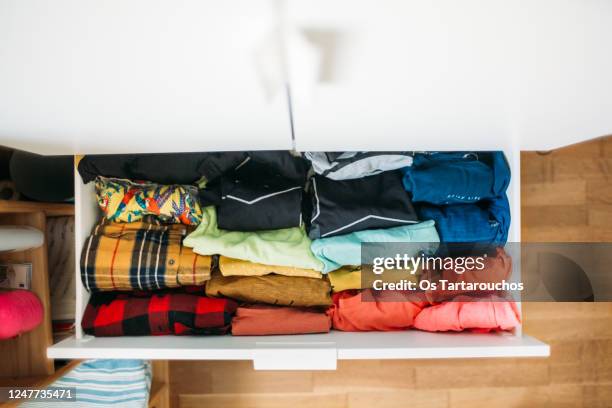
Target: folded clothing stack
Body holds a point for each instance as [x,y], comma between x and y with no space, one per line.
[274,304]
[271,289]
[393,310]
[249,230]
[257,228]
[464,193]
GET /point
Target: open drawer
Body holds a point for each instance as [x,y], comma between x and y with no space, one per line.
[292,352]
[311,75]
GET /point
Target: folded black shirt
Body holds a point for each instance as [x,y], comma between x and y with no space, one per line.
[262,193]
[187,168]
[161,168]
[373,202]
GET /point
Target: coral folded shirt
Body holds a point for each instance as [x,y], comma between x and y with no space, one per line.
[262,320]
[463,313]
[374,310]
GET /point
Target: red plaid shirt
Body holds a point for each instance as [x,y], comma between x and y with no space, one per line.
[181,311]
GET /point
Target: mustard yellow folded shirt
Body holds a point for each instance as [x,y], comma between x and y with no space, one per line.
[238,267]
[351,277]
[345,278]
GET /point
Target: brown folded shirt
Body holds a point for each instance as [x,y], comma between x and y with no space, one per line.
[264,320]
[271,289]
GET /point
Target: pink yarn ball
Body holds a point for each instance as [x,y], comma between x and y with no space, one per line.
[20,312]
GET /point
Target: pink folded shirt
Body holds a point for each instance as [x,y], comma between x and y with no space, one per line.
[486,314]
[374,310]
[263,320]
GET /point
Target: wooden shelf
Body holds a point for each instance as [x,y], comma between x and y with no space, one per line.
[26,355]
[23,207]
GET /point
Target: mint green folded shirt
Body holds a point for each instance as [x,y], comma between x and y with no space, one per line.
[282,247]
[342,250]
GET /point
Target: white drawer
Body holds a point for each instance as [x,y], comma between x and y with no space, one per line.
[293,352]
[447,74]
[125,76]
[139,76]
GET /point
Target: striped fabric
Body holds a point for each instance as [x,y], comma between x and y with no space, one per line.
[102,383]
[140,255]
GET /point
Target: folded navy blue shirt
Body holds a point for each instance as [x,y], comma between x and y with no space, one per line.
[456,177]
[485,222]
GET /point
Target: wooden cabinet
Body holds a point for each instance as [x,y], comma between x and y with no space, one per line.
[26,355]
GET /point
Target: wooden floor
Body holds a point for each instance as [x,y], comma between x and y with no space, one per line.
[567,196]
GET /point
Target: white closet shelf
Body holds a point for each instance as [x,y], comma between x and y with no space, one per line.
[314,351]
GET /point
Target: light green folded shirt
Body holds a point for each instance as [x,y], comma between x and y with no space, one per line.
[282,247]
